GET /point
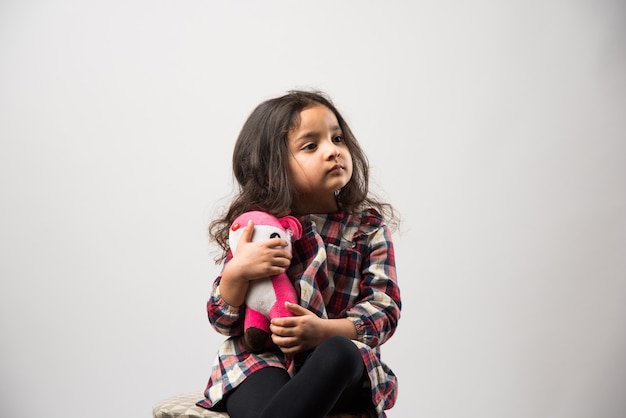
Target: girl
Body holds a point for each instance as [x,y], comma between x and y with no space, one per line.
[296,155]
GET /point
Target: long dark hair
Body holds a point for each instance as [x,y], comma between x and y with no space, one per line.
[260,164]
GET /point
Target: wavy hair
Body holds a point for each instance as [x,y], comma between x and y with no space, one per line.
[260,164]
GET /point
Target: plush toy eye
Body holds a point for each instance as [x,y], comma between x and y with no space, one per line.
[275,235]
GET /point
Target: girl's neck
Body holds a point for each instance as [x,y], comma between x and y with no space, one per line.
[306,208]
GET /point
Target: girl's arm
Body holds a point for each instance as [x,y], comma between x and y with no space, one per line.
[372,319]
[376,314]
[305,330]
[225,318]
[233,285]
[253,260]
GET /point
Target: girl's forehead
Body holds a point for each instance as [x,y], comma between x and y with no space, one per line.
[313,112]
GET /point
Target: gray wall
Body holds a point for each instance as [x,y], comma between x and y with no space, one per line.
[497,129]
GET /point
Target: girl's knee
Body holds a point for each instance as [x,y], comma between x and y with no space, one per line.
[340,355]
[339,344]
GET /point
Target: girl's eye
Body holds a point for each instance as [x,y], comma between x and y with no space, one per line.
[338,139]
[310,147]
[275,235]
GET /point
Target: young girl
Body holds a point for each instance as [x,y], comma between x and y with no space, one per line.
[296,155]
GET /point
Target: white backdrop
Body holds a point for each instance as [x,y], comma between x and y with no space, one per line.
[498,130]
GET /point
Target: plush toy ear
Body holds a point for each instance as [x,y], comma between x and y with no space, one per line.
[292,224]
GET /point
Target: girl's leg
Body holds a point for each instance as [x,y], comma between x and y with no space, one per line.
[251,396]
[333,369]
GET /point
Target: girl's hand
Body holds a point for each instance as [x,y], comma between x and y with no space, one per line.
[305,330]
[252,261]
[256,260]
[301,332]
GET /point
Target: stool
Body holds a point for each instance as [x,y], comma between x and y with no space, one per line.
[184,406]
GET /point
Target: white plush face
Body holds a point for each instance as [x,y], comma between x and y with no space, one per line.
[261,233]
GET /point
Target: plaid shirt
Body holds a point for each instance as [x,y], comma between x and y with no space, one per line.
[342,267]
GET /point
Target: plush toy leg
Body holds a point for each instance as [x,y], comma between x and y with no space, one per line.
[279,310]
[283,288]
[255,325]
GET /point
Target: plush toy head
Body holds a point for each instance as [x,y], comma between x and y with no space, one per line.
[266,297]
[265,226]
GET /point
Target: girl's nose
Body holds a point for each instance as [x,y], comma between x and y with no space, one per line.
[334,151]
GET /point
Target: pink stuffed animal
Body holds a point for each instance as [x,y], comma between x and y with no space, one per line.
[266,297]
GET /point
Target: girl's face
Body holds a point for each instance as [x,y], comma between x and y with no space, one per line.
[319,160]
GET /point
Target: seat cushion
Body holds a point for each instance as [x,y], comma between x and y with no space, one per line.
[184,406]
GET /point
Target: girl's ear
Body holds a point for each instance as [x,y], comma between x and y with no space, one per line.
[292,224]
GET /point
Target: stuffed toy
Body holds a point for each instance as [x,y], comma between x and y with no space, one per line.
[266,297]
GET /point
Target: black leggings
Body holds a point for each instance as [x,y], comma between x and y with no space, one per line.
[331,378]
